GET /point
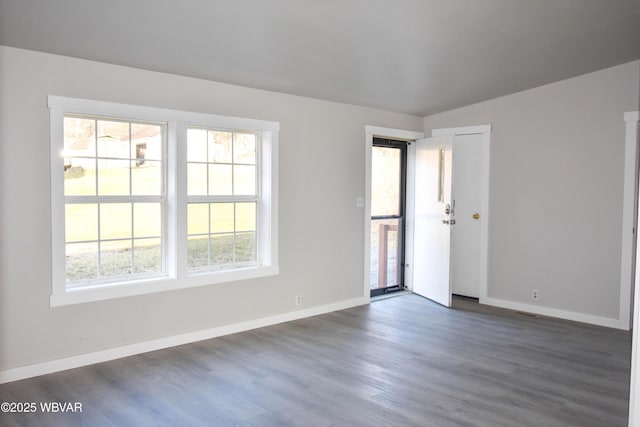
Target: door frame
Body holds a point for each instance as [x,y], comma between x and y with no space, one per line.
[382,132]
[403,146]
[485,131]
[629,220]
[630,292]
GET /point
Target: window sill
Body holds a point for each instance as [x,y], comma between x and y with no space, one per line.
[152,286]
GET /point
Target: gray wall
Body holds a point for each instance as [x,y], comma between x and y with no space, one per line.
[557,158]
[321,230]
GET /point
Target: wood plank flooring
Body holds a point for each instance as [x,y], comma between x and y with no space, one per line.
[401,361]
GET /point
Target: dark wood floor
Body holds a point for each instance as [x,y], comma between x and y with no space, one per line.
[401,361]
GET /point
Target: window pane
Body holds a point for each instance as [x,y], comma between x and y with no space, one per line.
[441,175]
[244,148]
[197,252]
[79,156]
[220,146]
[220,180]
[245,216]
[80,177]
[115,220]
[146,178]
[147,220]
[198,218]
[222,217]
[147,256]
[82,261]
[81,222]
[113,139]
[246,247]
[146,142]
[79,153]
[79,137]
[196,179]
[221,249]
[115,258]
[385,182]
[196,145]
[113,177]
[244,180]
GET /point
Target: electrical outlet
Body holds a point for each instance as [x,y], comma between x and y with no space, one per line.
[298,300]
[535,295]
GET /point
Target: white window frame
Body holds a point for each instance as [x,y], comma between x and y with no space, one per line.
[177,276]
[131,198]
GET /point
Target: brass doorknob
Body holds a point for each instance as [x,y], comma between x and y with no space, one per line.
[476,215]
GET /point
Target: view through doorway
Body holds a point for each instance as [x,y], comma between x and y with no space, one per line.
[388,184]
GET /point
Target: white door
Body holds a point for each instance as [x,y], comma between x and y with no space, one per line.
[431,230]
[466,210]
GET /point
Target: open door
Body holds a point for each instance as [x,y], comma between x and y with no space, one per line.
[433,217]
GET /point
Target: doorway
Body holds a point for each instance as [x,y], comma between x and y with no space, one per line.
[388,215]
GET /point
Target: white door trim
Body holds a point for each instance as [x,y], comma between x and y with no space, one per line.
[632,120]
[370,132]
[485,130]
[628,216]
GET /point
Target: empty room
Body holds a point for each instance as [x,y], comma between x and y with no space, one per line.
[329,213]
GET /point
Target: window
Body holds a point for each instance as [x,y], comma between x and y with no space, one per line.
[114,202]
[147,199]
[222,198]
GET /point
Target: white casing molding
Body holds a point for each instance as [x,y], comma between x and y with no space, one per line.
[628,289]
[370,132]
[629,215]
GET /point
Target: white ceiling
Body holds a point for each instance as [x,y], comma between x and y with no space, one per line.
[411,56]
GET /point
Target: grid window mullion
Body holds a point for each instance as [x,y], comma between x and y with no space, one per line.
[233,167]
[130,168]
[95,154]
[210,255]
[235,206]
[99,269]
[206,150]
[133,216]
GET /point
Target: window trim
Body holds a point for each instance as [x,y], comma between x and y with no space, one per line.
[177,276]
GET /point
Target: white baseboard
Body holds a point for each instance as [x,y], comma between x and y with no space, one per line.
[554,312]
[58,365]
